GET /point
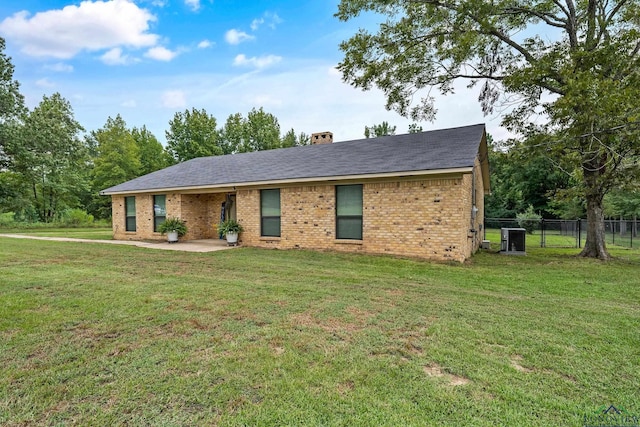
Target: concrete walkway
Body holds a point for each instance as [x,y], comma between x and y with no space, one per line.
[205,245]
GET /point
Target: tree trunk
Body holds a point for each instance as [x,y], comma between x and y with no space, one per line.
[595,246]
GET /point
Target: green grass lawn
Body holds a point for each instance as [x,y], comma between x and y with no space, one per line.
[116,335]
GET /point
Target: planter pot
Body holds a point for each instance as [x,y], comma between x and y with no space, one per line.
[232,238]
[172,236]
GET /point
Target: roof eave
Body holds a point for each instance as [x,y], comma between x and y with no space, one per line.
[233,186]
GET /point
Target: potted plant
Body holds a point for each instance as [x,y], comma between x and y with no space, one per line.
[230,228]
[173,228]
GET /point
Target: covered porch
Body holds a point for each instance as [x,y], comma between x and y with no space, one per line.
[203,212]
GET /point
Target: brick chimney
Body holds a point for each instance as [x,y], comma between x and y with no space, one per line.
[321,138]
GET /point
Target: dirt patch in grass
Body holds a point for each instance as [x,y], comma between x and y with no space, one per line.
[436,371]
[335,325]
[516,364]
[345,387]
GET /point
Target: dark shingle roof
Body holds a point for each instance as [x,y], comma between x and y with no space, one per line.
[423,151]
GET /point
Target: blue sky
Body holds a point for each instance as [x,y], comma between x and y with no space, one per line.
[148,59]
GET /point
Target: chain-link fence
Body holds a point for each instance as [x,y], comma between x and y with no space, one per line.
[560,233]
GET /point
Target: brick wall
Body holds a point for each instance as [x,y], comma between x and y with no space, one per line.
[200,211]
[429,218]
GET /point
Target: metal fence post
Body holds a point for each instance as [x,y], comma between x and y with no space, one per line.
[579,233]
[542,232]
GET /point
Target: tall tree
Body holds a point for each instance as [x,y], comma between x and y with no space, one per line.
[50,157]
[11,104]
[591,70]
[519,181]
[262,132]
[256,132]
[233,133]
[193,134]
[290,139]
[117,160]
[153,156]
[382,129]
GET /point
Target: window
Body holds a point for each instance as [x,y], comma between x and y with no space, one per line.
[349,212]
[270,212]
[159,211]
[130,213]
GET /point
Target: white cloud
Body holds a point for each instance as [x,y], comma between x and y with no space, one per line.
[255,24]
[234,36]
[271,19]
[256,62]
[91,26]
[115,57]
[174,99]
[274,19]
[45,83]
[160,53]
[204,44]
[193,4]
[59,67]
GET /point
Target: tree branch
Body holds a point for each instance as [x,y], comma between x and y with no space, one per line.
[549,19]
[572,24]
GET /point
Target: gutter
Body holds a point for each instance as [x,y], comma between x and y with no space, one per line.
[233,186]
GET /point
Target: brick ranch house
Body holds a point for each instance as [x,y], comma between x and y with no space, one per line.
[418,195]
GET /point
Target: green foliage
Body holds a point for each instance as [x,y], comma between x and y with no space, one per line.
[382,129]
[153,156]
[76,218]
[529,220]
[520,179]
[117,160]
[7,219]
[623,203]
[11,104]
[415,128]
[173,224]
[262,132]
[14,196]
[290,139]
[590,69]
[49,158]
[193,134]
[229,226]
[118,154]
[258,131]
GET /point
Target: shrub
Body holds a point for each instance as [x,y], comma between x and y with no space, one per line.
[76,218]
[529,220]
[7,219]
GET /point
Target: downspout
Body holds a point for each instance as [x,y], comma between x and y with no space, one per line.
[474,210]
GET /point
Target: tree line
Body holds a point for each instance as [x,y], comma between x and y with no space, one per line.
[523,182]
[49,164]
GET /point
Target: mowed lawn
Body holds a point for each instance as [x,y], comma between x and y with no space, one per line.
[94,334]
